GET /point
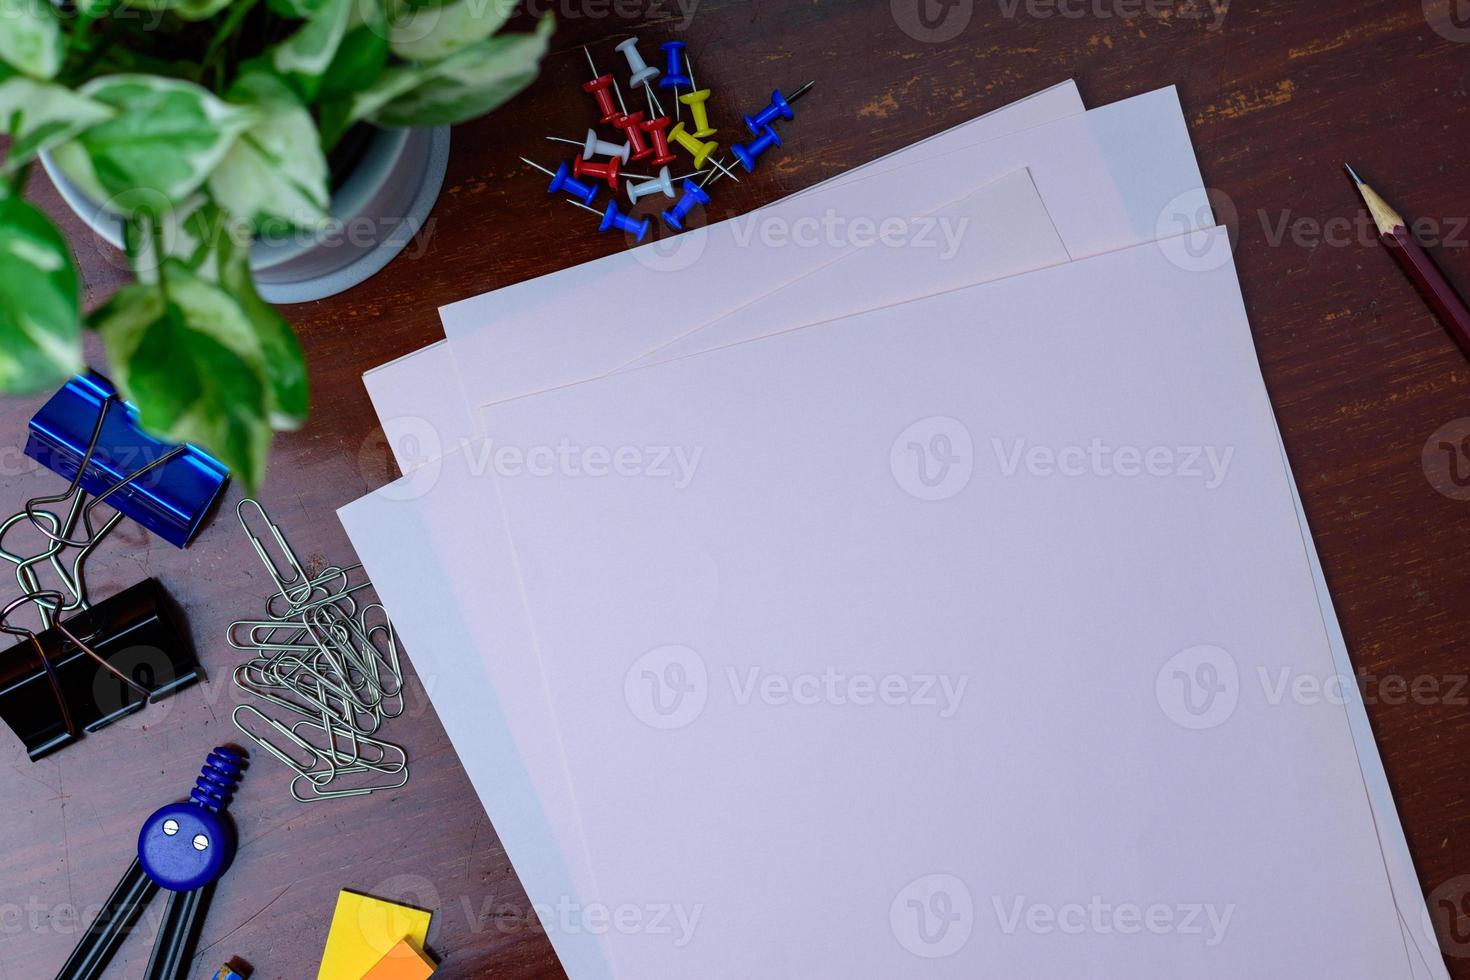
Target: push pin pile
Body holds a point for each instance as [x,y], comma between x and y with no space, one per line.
[651,138]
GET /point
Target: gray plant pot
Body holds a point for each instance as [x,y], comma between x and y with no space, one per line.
[376,211]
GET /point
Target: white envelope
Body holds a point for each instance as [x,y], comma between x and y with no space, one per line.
[659,565]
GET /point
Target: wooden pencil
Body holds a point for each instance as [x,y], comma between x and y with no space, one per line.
[1417,264]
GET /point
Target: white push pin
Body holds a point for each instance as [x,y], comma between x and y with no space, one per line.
[662,183]
[643,73]
[593,146]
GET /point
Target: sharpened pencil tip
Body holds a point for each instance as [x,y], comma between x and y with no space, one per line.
[1353,173]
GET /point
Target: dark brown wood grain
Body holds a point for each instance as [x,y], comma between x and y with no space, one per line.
[1278,94]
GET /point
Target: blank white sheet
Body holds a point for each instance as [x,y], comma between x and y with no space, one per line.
[657,566]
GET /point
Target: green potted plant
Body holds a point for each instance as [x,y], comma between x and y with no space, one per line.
[202,132]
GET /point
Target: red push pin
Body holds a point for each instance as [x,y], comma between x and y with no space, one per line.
[632,129]
[599,171]
[658,131]
[601,89]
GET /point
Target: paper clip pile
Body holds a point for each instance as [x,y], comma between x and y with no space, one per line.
[329,669]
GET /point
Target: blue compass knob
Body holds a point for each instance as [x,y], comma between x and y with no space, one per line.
[185,846]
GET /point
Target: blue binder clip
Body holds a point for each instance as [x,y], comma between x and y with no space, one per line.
[90,437]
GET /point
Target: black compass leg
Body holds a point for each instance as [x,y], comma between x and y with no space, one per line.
[111,926]
[173,950]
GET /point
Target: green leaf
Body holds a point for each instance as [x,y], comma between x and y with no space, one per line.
[183,9]
[275,175]
[298,9]
[285,364]
[467,84]
[215,246]
[30,38]
[304,58]
[363,54]
[433,33]
[183,351]
[40,114]
[40,297]
[166,139]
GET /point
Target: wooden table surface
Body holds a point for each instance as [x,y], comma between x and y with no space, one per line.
[1365,382]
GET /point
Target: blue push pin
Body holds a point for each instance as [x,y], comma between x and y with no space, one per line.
[563,180]
[674,76]
[694,195]
[748,155]
[780,108]
[613,218]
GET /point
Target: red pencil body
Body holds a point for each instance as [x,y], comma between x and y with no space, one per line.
[1436,288]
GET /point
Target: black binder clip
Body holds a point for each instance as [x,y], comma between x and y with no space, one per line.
[84,673]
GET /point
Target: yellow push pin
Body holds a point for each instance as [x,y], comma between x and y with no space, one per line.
[696,100]
[699,149]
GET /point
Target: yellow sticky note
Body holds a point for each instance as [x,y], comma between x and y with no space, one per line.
[364,930]
[403,962]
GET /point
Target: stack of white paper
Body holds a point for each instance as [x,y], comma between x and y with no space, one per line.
[928,605]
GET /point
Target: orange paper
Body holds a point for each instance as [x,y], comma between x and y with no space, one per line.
[403,962]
